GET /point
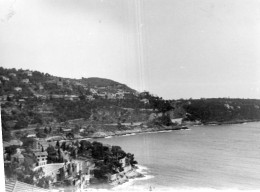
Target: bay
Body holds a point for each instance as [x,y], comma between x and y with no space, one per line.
[203,157]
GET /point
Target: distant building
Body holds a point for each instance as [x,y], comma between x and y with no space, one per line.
[120,95]
[41,157]
[102,95]
[39,96]
[18,157]
[5,78]
[177,121]
[12,74]
[90,97]
[123,162]
[71,97]
[18,89]
[31,136]
[93,91]
[28,73]
[40,87]
[111,96]
[3,98]
[55,96]
[144,94]
[145,101]
[25,81]
[59,83]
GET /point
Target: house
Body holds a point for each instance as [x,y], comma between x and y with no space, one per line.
[11,96]
[90,97]
[55,96]
[177,121]
[5,78]
[12,74]
[31,136]
[41,157]
[123,162]
[25,81]
[102,95]
[18,89]
[40,87]
[71,97]
[145,101]
[28,73]
[3,98]
[66,130]
[93,91]
[39,96]
[111,96]
[144,94]
[120,95]
[18,157]
[59,83]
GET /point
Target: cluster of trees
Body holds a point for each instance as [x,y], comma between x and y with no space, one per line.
[106,158]
[222,109]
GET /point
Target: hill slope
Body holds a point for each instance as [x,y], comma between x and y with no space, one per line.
[31,99]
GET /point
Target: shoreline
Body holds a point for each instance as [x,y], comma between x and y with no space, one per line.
[230,122]
[139,130]
[104,134]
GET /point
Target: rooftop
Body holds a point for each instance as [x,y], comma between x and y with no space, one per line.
[17,186]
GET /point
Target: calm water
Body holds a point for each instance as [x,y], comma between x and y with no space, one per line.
[216,157]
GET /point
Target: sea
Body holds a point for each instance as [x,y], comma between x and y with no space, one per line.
[201,158]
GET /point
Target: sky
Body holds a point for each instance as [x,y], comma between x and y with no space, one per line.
[171,48]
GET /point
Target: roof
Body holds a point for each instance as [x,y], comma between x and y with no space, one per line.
[12,142]
[17,186]
[17,155]
[40,153]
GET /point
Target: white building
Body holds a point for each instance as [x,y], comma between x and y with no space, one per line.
[25,81]
[41,157]
[18,89]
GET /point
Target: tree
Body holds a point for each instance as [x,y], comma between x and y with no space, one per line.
[28,142]
[45,130]
[57,144]
[6,135]
[131,158]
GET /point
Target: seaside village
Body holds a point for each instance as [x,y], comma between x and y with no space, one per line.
[52,163]
[62,163]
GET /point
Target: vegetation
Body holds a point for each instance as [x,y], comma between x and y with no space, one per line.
[25,107]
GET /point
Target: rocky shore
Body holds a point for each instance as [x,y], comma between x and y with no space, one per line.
[124,177]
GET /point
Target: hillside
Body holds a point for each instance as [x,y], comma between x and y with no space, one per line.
[33,100]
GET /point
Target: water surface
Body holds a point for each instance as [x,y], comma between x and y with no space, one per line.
[217,157]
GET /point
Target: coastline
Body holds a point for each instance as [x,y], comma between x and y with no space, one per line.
[157,129]
[137,130]
[231,122]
